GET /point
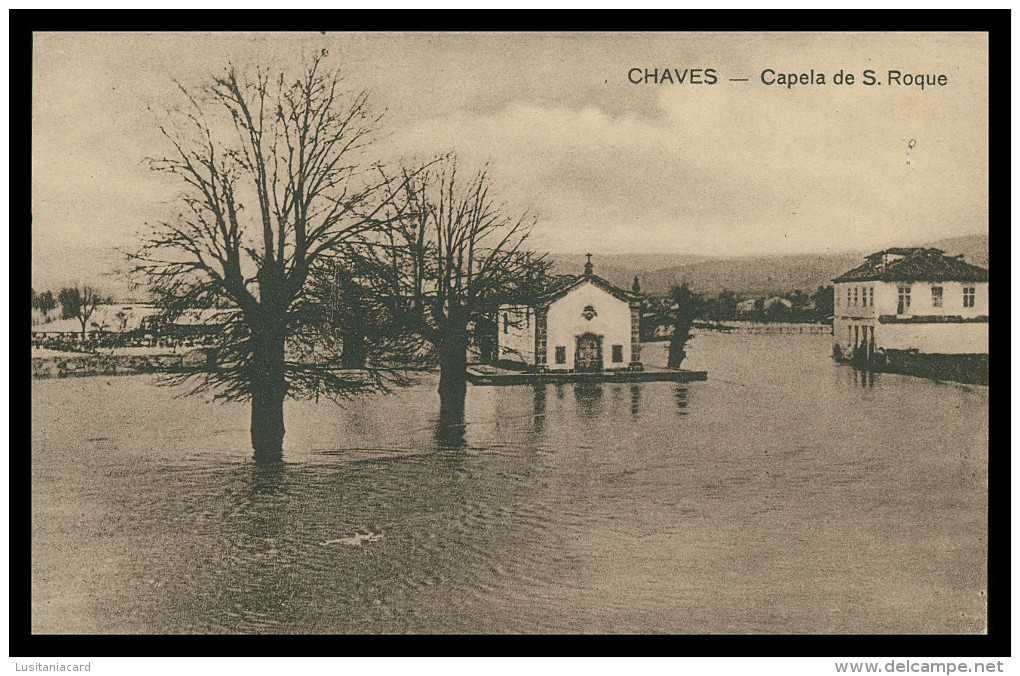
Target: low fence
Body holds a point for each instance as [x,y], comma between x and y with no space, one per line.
[68,341]
[766,328]
[109,365]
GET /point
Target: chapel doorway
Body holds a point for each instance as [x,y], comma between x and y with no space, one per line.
[588,355]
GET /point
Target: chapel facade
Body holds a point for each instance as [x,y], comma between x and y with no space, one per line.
[581,324]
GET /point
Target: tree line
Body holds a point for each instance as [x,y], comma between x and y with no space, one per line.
[76,302]
[672,316]
[657,310]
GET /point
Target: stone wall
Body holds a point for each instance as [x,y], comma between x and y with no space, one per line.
[961,368]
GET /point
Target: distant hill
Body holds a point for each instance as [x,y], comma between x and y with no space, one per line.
[748,275]
[973,247]
[754,275]
[620,269]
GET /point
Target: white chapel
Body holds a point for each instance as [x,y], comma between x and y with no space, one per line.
[581,324]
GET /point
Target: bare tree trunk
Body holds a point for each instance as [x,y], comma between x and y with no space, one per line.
[268,390]
[453,376]
[355,352]
[681,334]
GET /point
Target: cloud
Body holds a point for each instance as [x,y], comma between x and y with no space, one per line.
[731,169]
[725,171]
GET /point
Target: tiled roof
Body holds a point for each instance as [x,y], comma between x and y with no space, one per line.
[558,283]
[917,265]
[904,251]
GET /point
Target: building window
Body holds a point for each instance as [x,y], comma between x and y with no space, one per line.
[936,296]
[871,296]
[617,353]
[855,296]
[527,317]
[506,323]
[903,301]
[848,296]
[968,296]
[561,354]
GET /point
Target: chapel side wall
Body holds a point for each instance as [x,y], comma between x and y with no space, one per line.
[565,322]
[516,334]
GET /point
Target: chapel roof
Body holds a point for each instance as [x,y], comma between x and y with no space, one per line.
[561,285]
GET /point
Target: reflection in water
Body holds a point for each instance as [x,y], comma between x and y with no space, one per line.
[681,400]
[261,544]
[635,400]
[609,507]
[863,378]
[264,458]
[538,404]
[589,399]
[266,479]
[449,432]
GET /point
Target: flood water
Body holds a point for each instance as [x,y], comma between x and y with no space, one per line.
[787,494]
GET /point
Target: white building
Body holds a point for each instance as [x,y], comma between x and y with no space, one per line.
[911,299]
[751,304]
[582,324]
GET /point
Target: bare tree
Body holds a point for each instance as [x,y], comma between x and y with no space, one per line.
[353,291]
[682,307]
[457,253]
[79,302]
[275,179]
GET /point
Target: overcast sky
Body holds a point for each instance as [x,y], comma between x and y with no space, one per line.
[735,168]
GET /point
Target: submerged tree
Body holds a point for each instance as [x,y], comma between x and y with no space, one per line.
[682,308]
[456,253]
[274,179]
[352,292]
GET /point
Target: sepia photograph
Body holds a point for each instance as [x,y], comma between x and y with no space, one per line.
[510,333]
